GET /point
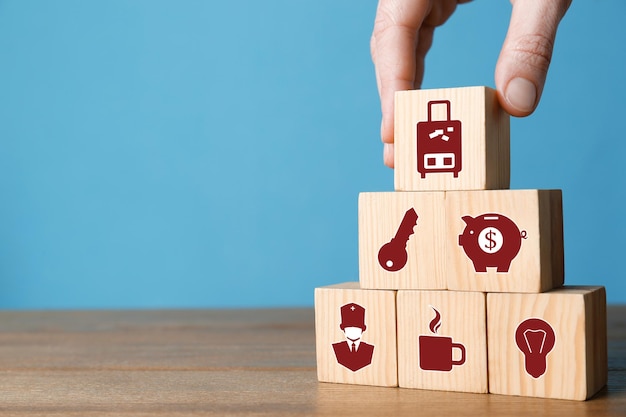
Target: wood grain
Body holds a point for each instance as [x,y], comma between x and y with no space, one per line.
[537,267]
[575,360]
[463,320]
[225,363]
[380,216]
[485,148]
[380,332]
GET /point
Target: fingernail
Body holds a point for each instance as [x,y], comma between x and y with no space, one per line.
[521,94]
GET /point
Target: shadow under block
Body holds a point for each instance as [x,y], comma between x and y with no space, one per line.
[344,312]
[442,340]
[551,345]
[465,148]
[384,216]
[504,240]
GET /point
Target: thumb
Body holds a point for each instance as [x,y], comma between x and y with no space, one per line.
[526,53]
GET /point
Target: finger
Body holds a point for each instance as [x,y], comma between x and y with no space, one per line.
[388,154]
[526,53]
[393,47]
[424,42]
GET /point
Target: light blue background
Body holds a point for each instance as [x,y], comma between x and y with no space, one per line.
[210,154]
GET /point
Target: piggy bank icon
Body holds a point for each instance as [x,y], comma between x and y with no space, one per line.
[491,240]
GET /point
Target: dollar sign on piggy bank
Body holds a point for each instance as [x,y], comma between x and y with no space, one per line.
[491,240]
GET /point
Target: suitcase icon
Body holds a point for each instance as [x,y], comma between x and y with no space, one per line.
[439,143]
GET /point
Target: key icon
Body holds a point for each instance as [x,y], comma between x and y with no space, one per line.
[392,255]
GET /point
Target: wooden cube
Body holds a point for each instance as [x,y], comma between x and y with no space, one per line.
[442,340]
[450,139]
[355,333]
[401,240]
[504,240]
[551,345]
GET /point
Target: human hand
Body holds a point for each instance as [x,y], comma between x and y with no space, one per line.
[403,34]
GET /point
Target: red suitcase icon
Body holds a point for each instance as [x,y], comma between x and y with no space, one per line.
[439,143]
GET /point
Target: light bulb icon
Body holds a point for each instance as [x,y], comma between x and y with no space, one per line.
[535,338]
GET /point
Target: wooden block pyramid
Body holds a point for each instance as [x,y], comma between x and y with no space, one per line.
[460,278]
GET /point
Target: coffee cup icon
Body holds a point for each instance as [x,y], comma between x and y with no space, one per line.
[437,353]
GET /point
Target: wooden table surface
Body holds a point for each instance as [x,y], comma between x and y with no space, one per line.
[223,363]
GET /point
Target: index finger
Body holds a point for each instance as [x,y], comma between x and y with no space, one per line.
[393,47]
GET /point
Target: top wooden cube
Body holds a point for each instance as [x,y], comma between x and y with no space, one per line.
[450,139]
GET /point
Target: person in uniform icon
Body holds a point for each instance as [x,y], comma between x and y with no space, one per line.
[353,353]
